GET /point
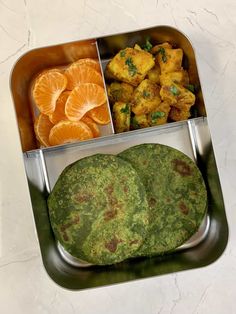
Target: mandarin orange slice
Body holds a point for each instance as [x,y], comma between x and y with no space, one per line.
[79,74]
[100,114]
[68,131]
[42,128]
[59,112]
[59,70]
[82,99]
[93,63]
[46,90]
[93,126]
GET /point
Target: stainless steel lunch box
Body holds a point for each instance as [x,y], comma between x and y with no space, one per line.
[44,165]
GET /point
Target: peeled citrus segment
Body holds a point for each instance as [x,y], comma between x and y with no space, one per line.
[46,90]
[82,99]
[59,112]
[100,114]
[93,126]
[42,128]
[67,132]
[58,70]
[93,63]
[79,74]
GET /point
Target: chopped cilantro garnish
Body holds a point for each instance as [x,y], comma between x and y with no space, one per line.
[157,115]
[190,87]
[125,109]
[163,54]
[122,53]
[129,61]
[174,90]
[131,67]
[148,45]
[146,94]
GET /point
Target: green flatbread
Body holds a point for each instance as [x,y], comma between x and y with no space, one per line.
[98,209]
[176,195]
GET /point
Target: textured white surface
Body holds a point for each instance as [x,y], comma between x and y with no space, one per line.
[24,24]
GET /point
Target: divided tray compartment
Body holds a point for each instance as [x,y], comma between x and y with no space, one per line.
[33,63]
[44,165]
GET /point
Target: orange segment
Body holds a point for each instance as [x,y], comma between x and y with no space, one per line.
[93,63]
[67,132]
[46,90]
[59,112]
[82,99]
[42,128]
[79,74]
[93,126]
[100,114]
[49,70]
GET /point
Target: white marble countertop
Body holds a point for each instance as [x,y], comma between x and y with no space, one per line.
[24,284]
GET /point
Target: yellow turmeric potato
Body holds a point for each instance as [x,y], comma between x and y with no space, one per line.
[121,116]
[148,86]
[119,92]
[140,121]
[170,60]
[169,93]
[154,74]
[130,65]
[146,97]
[180,77]
[156,48]
[177,114]
[185,100]
[177,95]
[160,114]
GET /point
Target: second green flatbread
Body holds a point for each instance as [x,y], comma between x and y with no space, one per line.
[176,195]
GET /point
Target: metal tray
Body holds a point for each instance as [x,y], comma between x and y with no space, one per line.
[43,166]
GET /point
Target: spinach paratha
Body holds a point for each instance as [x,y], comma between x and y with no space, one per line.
[176,195]
[98,209]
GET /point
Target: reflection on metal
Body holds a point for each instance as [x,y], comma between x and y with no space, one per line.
[71,259]
[44,169]
[199,236]
[192,139]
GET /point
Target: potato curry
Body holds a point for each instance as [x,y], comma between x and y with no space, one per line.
[148,86]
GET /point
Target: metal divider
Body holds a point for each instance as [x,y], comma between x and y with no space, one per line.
[193,139]
[44,171]
[104,82]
